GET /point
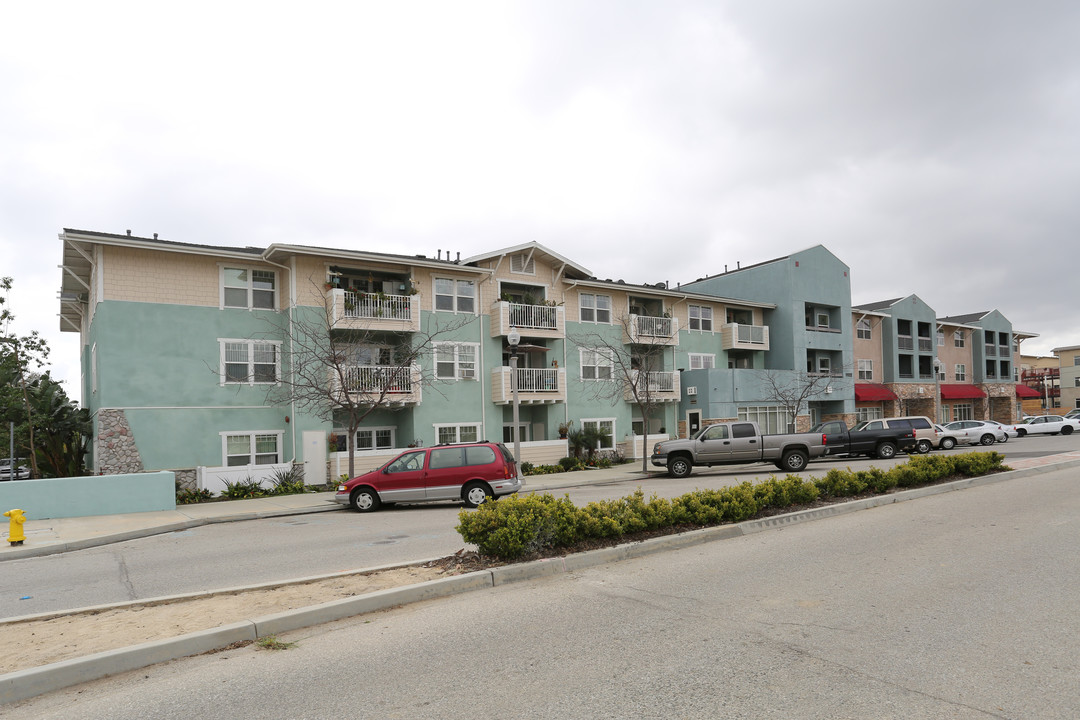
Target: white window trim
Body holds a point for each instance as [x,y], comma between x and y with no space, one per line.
[251,269]
[458,371]
[960,373]
[251,361]
[372,430]
[596,321]
[525,429]
[226,434]
[959,339]
[602,354]
[614,437]
[861,327]
[457,431]
[699,356]
[869,369]
[700,319]
[455,280]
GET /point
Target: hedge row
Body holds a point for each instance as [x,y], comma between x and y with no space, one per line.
[523,525]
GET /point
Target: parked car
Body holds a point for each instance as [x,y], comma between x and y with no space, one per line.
[881,443]
[1009,430]
[1048,425]
[1073,414]
[925,435]
[737,443]
[470,472]
[975,432]
[21,471]
[946,440]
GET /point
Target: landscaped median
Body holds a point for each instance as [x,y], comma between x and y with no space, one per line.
[539,525]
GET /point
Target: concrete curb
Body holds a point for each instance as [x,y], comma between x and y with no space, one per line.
[47,678]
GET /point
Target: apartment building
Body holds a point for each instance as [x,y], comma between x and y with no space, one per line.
[1068,377]
[189,349]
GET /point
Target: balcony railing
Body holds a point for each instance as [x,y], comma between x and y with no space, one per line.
[535,385]
[926,345]
[991,350]
[377,305]
[905,342]
[651,330]
[543,321]
[657,385]
[377,311]
[392,383]
[736,336]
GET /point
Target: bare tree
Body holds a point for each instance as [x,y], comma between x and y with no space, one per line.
[793,389]
[347,371]
[635,373]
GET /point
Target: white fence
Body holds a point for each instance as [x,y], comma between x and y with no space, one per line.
[215,478]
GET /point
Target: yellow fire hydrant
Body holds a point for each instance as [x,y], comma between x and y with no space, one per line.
[15,533]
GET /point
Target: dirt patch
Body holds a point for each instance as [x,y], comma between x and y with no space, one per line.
[41,642]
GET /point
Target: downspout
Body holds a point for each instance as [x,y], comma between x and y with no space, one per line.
[291,268]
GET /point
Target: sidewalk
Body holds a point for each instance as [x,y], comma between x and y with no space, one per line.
[57,535]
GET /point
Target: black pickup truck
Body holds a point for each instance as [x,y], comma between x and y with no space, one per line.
[875,443]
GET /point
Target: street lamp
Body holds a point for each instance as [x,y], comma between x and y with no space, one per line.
[512,339]
[937,395]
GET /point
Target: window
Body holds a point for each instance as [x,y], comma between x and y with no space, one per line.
[458,296]
[448,434]
[862,330]
[823,320]
[701,318]
[373,438]
[867,413]
[958,339]
[249,361]
[244,288]
[1076,382]
[960,373]
[456,361]
[940,338]
[1076,359]
[866,369]
[253,448]
[963,411]
[508,432]
[605,425]
[991,368]
[595,308]
[523,264]
[702,361]
[596,365]
[770,419]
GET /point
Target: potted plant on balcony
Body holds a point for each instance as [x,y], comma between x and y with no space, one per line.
[564,429]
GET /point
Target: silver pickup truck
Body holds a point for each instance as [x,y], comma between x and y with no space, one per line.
[736,443]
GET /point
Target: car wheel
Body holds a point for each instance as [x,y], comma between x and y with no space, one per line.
[1067,430]
[885,451]
[1004,438]
[987,439]
[947,443]
[923,446]
[793,461]
[364,499]
[679,467]
[476,493]
[1021,432]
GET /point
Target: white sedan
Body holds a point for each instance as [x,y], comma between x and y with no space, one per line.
[1048,425]
[1010,430]
[976,432]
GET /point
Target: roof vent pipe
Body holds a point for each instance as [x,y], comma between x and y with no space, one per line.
[458,257]
[129,233]
[738,264]
[440,254]
[155,236]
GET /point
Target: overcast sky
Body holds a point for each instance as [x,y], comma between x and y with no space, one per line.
[931,145]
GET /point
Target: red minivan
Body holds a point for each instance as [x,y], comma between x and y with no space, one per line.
[470,472]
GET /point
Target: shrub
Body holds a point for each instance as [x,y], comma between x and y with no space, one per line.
[188,497]
[526,467]
[288,482]
[571,463]
[243,489]
[840,483]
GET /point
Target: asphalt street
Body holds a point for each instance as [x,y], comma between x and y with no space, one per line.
[232,554]
[959,606]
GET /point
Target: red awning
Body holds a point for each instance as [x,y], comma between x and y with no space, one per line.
[869,392]
[1024,391]
[955,391]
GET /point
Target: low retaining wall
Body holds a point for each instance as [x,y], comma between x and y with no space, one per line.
[91,495]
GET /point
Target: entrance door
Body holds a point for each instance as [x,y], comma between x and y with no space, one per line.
[315,457]
[693,422]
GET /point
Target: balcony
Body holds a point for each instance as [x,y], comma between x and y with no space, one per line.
[649,330]
[537,321]
[374,311]
[904,342]
[536,386]
[378,384]
[662,386]
[926,345]
[734,336]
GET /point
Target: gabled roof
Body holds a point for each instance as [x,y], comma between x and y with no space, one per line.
[743,268]
[968,319]
[877,306]
[570,268]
